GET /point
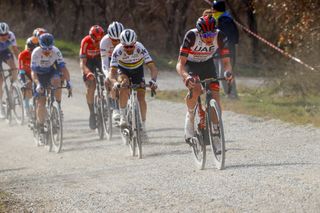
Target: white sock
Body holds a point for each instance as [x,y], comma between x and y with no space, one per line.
[123,111]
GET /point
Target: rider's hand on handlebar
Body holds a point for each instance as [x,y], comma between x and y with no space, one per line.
[228,76]
[190,82]
[89,76]
[39,88]
[116,85]
[153,84]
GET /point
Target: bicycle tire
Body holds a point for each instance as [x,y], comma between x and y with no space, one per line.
[17,104]
[216,139]
[131,142]
[6,104]
[107,117]
[138,128]
[99,117]
[56,127]
[198,145]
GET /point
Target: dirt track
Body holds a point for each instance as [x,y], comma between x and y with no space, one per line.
[270,167]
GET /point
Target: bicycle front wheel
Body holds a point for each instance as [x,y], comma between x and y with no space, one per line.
[216,134]
[138,129]
[56,127]
[198,145]
[107,117]
[99,116]
[17,104]
[6,105]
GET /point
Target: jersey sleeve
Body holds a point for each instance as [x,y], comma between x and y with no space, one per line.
[12,39]
[83,49]
[115,57]
[188,42]
[145,54]
[60,60]
[21,60]
[35,61]
[223,45]
[104,56]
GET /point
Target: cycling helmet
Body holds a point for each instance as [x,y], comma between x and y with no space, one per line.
[96,32]
[4,28]
[46,41]
[128,37]
[114,30]
[30,44]
[206,24]
[39,31]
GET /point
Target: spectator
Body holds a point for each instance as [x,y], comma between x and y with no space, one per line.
[229,28]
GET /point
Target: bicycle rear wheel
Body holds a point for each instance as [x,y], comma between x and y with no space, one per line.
[216,135]
[198,146]
[107,117]
[99,116]
[132,143]
[17,104]
[56,127]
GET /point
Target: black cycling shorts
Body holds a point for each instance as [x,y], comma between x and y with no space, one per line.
[136,76]
[204,69]
[93,64]
[5,55]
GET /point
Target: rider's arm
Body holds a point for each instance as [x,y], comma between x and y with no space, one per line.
[34,77]
[224,52]
[104,56]
[188,42]
[83,58]
[153,70]
[15,51]
[113,74]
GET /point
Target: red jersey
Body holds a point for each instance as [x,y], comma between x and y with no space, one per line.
[24,61]
[89,48]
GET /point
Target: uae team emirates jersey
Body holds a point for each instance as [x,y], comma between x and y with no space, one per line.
[197,51]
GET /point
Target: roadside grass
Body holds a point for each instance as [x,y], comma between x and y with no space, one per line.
[264,103]
[68,49]
[4,201]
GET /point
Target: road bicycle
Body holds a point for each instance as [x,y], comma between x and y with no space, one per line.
[12,101]
[131,134]
[208,127]
[102,107]
[52,134]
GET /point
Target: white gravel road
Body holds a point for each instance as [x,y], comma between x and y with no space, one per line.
[271,166]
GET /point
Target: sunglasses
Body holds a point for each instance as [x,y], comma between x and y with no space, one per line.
[208,35]
[46,48]
[128,46]
[4,34]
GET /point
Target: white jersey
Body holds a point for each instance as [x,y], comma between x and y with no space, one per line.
[139,56]
[42,64]
[106,49]
[10,42]
[198,51]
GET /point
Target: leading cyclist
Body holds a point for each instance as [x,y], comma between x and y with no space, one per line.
[47,67]
[7,40]
[196,61]
[129,57]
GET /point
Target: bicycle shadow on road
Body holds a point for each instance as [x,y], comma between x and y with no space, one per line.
[267,165]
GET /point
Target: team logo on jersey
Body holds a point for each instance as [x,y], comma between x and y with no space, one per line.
[204,49]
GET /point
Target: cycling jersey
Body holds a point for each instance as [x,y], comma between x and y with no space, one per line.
[106,49]
[139,56]
[197,51]
[10,42]
[43,64]
[24,60]
[89,49]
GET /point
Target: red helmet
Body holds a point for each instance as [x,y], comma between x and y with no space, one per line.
[96,32]
[206,24]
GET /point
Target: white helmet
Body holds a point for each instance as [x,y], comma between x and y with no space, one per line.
[4,28]
[114,30]
[128,37]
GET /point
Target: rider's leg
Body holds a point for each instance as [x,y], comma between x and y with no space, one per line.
[2,113]
[141,93]
[91,87]
[41,109]
[191,103]
[123,99]
[214,87]
[14,71]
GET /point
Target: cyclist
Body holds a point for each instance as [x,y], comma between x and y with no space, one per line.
[7,40]
[24,60]
[47,64]
[196,61]
[129,57]
[107,44]
[90,60]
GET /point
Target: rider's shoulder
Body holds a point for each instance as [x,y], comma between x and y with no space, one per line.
[11,36]
[86,39]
